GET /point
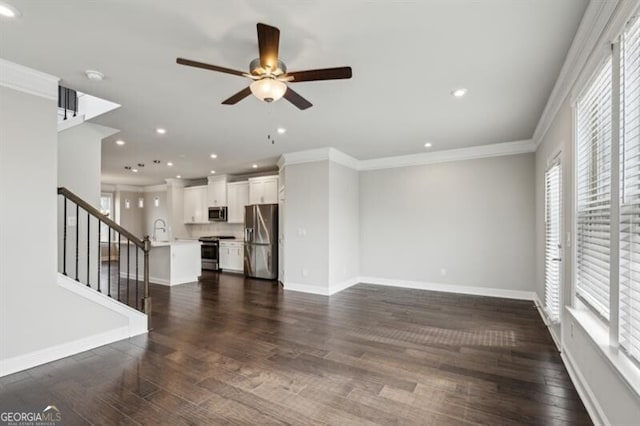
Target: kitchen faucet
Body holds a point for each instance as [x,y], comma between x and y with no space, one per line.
[163,228]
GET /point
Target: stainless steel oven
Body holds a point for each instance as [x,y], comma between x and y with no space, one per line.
[210,252]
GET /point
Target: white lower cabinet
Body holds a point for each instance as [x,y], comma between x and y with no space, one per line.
[232,256]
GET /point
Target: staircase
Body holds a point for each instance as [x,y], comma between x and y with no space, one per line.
[100,254]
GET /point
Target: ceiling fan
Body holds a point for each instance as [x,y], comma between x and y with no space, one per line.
[269,74]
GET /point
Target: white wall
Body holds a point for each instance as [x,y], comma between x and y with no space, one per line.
[306,230]
[465,223]
[79,163]
[618,403]
[35,313]
[344,228]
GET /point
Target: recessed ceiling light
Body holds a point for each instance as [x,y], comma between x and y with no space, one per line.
[458,93]
[169,163]
[8,11]
[161,131]
[214,156]
[428,145]
[134,170]
[282,130]
[120,142]
[178,176]
[94,75]
[213,172]
[255,166]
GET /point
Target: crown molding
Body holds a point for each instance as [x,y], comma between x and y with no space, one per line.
[461,154]
[300,157]
[129,188]
[156,188]
[27,80]
[341,158]
[601,23]
[179,183]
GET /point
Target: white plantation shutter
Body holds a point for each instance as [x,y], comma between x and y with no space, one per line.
[629,319]
[593,167]
[553,218]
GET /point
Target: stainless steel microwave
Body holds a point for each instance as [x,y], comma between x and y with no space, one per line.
[217,214]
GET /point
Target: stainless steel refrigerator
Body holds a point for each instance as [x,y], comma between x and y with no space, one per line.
[261,241]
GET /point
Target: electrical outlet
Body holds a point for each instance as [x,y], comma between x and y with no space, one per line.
[571,329]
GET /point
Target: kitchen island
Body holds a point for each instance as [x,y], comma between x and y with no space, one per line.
[174,262]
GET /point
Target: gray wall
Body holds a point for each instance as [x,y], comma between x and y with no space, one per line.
[468,223]
[344,230]
[151,213]
[307,224]
[132,218]
[35,313]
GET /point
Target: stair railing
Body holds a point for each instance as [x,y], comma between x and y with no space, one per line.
[119,287]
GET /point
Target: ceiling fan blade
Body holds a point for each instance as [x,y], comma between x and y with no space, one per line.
[209,67]
[237,97]
[293,97]
[268,41]
[323,74]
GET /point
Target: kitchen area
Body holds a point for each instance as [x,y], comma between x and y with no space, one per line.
[226,224]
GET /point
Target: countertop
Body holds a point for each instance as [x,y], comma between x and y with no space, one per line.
[232,240]
[173,243]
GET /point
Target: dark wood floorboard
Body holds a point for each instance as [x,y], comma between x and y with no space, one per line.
[230,350]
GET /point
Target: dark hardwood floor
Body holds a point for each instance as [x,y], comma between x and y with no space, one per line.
[229,350]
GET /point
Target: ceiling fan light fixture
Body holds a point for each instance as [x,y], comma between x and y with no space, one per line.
[268,89]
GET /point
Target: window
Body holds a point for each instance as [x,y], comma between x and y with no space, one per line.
[608,209]
[629,276]
[553,248]
[593,168]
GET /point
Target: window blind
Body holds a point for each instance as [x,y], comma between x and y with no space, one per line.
[553,218]
[593,168]
[629,319]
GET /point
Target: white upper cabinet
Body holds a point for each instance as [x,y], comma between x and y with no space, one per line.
[195,205]
[217,191]
[237,198]
[263,190]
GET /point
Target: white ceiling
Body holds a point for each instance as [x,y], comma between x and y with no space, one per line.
[406,57]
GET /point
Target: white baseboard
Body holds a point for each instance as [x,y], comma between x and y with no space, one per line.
[306,288]
[43,356]
[584,391]
[322,290]
[326,290]
[451,288]
[138,324]
[337,288]
[547,321]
